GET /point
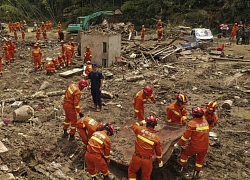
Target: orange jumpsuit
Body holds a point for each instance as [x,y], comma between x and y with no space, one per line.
[234,30]
[147,144]
[61,62]
[139,100]
[98,152]
[43,27]
[50,25]
[71,107]
[63,51]
[23,34]
[50,67]
[143,33]
[88,69]
[160,33]
[6,48]
[37,54]
[47,25]
[12,49]
[86,127]
[176,114]
[197,132]
[45,35]
[69,52]
[87,55]
[38,33]
[212,119]
[159,24]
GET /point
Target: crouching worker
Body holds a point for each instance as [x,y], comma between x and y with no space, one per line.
[50,67]
[98,152]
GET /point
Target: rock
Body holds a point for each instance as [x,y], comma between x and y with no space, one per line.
[24,113]
[39,94]
[3,148]
[107,95]
[16,104]
[227,104]
[8,176]
[45,85]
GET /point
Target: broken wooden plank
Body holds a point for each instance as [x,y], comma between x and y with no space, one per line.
[71,72]
[229,59]
[170,53]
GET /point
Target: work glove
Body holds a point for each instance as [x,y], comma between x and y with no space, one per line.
[210,121]
[161,164]
[184,123]
[81,114]
[177,146]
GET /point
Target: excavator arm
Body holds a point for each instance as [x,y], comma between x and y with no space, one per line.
[99,13]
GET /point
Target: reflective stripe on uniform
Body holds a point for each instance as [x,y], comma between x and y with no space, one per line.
[159,156]
[183,160]
[152,95]
[136,110]
[96,139]
[70,90]
[169,120]
[77,107]
[131,178]
[183,138]
[137,124]
[144,100]
[198,165]
[145,139]
[66,123]
[177,113]
[72,127]
[202,128]
[184,117]
[106,157]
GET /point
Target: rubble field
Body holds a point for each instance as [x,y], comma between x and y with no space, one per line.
[34,149]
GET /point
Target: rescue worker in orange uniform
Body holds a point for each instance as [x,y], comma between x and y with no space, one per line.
[23,34]
[61,62]
[140,99]
[210,114]
[176,112]
[1,73]
[15,34]
[37,55]
[59,25]
[160,33]
[50,67]
[97,156]
[88,68]
[143,29]
[71,41]
[71,107]
[234,30]
[69,53]
[6,48]
[42,26]
[197,133]
[44,35]
[12,50]
[159,24]
[87,54]
[86,127]
[147,144]
[38,34]
[63,50]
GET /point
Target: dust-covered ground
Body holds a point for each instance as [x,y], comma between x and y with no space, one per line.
[37,151]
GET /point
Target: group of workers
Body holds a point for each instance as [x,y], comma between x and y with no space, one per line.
[159,31]
[147,142]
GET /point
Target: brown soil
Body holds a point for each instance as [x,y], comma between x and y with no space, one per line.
[37,151]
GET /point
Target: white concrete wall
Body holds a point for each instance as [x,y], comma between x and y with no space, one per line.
[95,41]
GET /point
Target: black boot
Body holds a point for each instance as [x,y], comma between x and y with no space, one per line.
[71,137]
[106,177]
[196,175]
[65,134]
[94,178]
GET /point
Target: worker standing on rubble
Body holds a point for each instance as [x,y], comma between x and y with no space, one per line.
[69,52]
[87,54]
[37,55]
[159,24]
[143,29]
[97,156]
[71,41]
[86,127]
[176,112]
[197,133]
[210,114]
[6,48]
[234,31]
[63,50]
[15,34]
[71,107]
[23,33]
[38,33]
[160,33]
[140,99]
[88,68]
[147,144]
[12,50]
[95,78]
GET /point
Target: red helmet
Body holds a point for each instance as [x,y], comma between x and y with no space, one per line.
[148,90]
[181,98]
[108,127]
[197,111]
[212,106]
[82,84]
[151,119]
[88,62]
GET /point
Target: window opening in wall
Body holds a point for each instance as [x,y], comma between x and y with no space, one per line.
[104,47]
[104,62]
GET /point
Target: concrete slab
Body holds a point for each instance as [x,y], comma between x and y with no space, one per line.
[71,72]
[3,148]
